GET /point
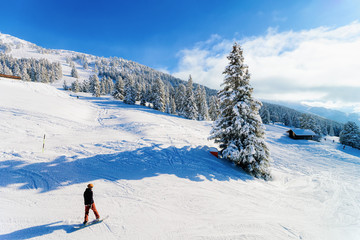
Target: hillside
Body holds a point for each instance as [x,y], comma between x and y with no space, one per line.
[114,66]
[155,178]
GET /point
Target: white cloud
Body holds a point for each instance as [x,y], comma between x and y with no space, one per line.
[320,64]
[205,62]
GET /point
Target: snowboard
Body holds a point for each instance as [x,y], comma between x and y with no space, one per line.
[80,226]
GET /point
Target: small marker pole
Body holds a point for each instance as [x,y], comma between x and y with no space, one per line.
[43,144]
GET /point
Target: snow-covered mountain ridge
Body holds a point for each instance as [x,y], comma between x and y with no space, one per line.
[19,48]
[155,178]
[335,115]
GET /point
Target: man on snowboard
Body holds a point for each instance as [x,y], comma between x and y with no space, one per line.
[89,203]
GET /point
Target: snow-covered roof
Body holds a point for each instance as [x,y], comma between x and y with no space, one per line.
[302,132]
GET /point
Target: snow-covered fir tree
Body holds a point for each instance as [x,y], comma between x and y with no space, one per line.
[324,129]
[103,89]
[143,95]
[119,89]
[331,130]
[171,100]
[159,95]
[139,88]
[180,99]
[287,120]
[308,121]
[95,85]
[16,70]
[42,75]
[172,107]
[74,72]
[202,106]
[24,75]
[109,84]
[75,86]
[239,128]
[85,86]
[265,116]
[68,60]
[86,65]
[350,135]
[214,108]
[65,86]
[7,70]
[95,70]
[57,70]
[190,108]
[130,90]
[151,94]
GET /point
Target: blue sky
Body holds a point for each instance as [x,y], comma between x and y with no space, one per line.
[186,37]
[153,32]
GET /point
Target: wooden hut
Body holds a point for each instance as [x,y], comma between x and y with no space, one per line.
[10,76]
[296,133]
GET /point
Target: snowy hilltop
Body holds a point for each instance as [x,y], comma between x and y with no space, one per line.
[155,178]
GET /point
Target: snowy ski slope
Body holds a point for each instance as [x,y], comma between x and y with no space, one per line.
[154,176]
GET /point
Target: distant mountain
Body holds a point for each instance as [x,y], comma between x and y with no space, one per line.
[331,114]
[335,115]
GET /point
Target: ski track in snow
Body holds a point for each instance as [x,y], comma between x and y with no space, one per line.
[155,177]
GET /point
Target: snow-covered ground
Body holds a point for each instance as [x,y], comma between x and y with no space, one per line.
[155,178]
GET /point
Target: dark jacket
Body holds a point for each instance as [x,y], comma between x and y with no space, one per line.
[88,197]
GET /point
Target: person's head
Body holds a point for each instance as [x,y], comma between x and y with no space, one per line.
[90,185]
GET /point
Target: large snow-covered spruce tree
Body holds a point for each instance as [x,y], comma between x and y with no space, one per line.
[239,128]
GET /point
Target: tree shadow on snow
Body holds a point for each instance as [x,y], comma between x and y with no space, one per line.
[195,164]
[38,231]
